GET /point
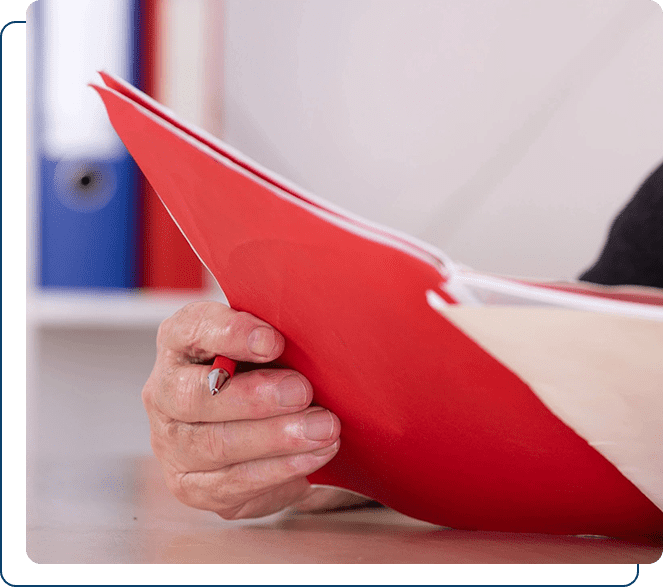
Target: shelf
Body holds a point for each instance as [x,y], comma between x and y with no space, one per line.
[108,309]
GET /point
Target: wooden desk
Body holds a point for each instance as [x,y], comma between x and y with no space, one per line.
[119,511]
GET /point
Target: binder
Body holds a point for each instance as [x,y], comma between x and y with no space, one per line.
[167,261]
[88,208]
[467,400]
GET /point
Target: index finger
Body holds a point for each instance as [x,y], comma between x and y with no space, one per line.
[202,330]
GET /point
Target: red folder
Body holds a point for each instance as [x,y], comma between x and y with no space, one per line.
[432,424]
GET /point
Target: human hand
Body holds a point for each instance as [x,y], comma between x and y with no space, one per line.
[245,452]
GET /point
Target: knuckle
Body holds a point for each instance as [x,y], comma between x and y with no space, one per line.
[147,395]
[157,444]
[267,378]
[184,396]
[261,390]
[241,317]
[171,433]
[162,332]
[178,487]
[174,326]
[234,326]
[216,442]
[191,335]
[187,439]
[222,498]
[187,325]
[239,484]
[228,496]
[159,436]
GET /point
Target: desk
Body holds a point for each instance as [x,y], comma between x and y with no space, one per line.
[118,510]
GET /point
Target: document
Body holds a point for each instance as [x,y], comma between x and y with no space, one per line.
[468,400]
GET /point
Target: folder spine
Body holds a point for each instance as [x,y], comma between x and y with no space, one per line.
[166,260]
[87,182]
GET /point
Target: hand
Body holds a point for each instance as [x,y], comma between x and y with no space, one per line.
[245,452]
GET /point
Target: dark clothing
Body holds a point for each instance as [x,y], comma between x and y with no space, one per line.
[633,253]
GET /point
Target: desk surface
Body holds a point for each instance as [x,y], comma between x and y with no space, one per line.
[119,511]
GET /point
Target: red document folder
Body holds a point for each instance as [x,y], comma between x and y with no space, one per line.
[433,425]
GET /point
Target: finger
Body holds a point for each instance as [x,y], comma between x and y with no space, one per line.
[207,447]
[183,395]
[202,330]
[229,489]
[271,502]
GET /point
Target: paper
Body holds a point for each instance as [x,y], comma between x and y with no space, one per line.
[433,425]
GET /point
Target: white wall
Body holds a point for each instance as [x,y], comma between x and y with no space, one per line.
[508,133]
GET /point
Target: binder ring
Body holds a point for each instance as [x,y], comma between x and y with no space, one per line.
[84,185]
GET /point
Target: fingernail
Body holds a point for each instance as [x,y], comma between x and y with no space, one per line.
[321,452]
[292,392]
[318,425]
[261,341]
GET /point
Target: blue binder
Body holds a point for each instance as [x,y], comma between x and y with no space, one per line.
[88,183]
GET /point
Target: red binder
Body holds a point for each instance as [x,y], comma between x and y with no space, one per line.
[168,262]
[433,425]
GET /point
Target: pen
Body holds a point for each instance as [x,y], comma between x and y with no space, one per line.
[222,371]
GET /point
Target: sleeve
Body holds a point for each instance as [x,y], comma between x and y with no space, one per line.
[633,252]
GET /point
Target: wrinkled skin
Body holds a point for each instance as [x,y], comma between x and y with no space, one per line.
[245,452]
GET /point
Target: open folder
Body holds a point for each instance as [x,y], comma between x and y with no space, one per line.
[466,400]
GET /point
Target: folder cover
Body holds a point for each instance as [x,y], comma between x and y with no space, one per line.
[449,412]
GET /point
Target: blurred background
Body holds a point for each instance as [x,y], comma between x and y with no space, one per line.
[508,133]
